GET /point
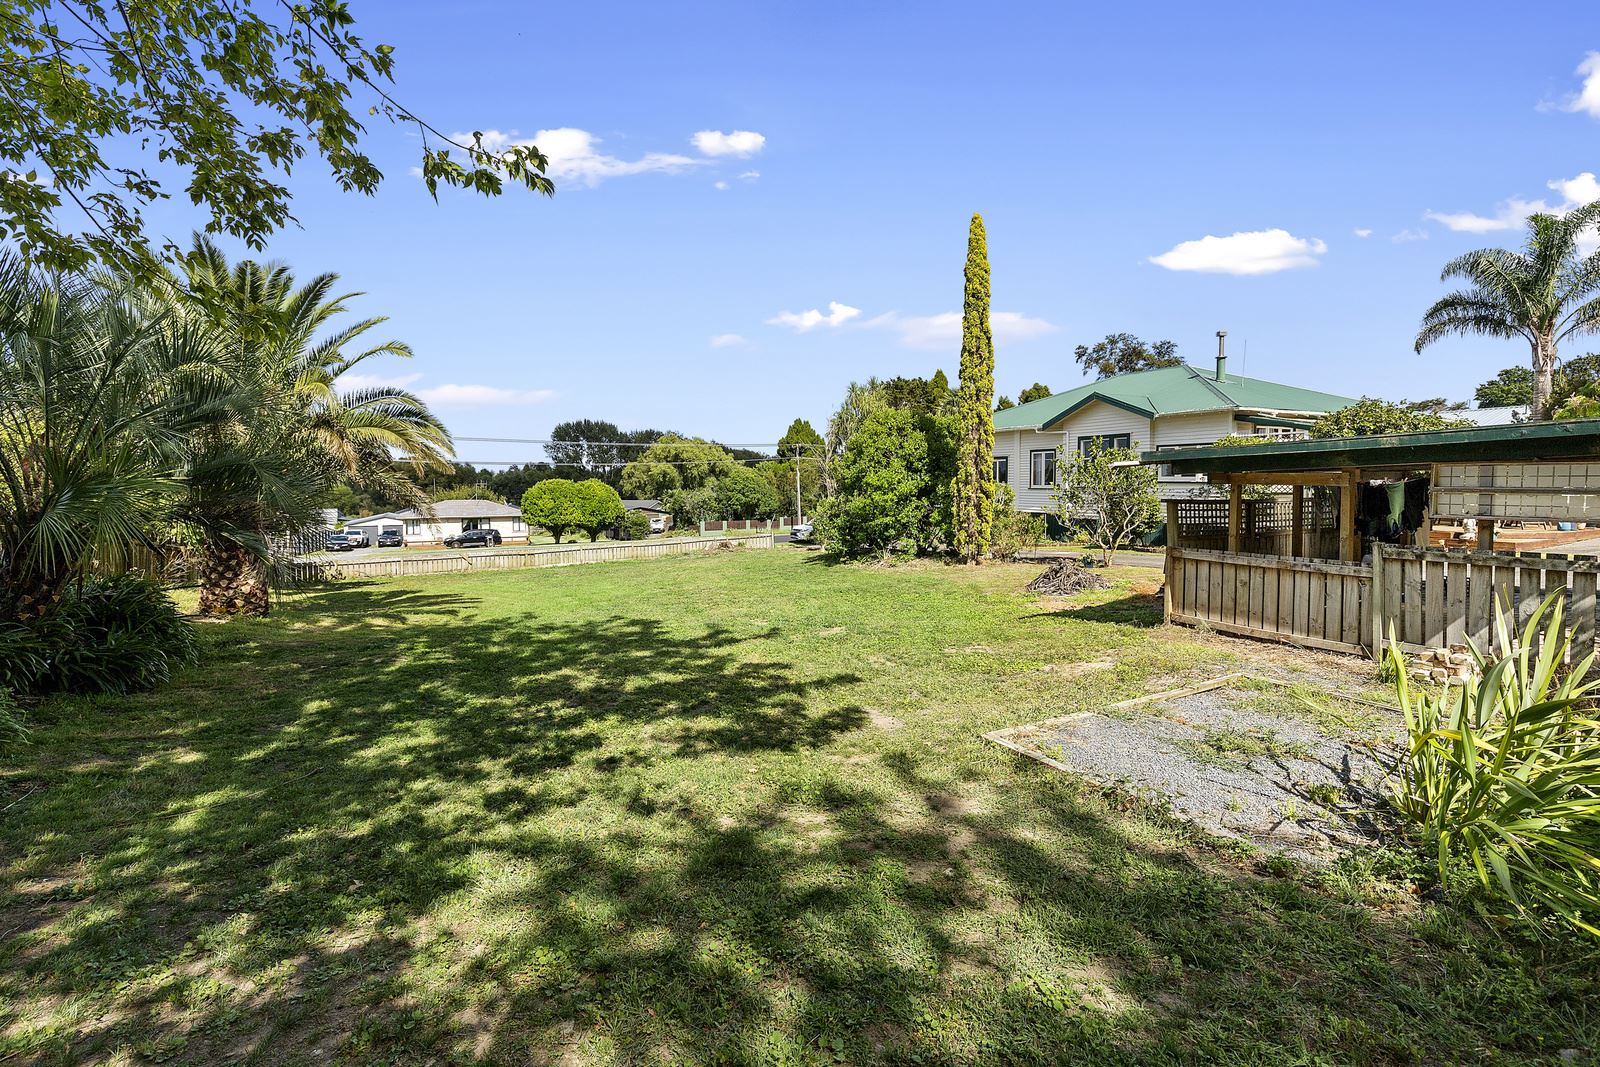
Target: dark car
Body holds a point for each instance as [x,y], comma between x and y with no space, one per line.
[473,539]
[345,542]
[391,539]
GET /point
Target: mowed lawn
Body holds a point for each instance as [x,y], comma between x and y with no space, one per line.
[722,809]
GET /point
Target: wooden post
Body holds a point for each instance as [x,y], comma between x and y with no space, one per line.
[1485,535]
[1172,524]
[1349,538]
[1235,498]
[1375,601]
[1297,522]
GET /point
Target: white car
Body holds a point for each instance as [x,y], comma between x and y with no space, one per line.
[800,531]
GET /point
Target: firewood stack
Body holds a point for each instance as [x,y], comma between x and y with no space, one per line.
[1451,665]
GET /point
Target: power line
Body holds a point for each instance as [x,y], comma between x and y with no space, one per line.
[646,462]
[623,444]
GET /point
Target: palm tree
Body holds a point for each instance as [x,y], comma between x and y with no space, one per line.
[1544,294]
[309,433]
[86,419]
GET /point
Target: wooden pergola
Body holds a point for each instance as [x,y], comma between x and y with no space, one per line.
[1343,464]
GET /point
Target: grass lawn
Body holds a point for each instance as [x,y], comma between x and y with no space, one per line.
[728,809]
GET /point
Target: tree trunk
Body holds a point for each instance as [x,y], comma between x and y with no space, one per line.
[233,581]
[1544,368]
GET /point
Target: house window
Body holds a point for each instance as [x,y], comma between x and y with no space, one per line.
[470,524]
[1105,440]
[1166,468]
[1282,433]
[1002,469]
[413,527]
[1042,468]
[516,525]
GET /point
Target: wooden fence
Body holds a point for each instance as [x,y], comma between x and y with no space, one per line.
[1425,597]
[1433,597]
[552,556]
[1318,603]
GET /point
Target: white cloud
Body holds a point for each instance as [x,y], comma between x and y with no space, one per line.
[1513,213]
[728,340]
[1587,99]
[1252,252]
[739,143]
[1413,233]
[574,155]
[482,395]
[723,186]
[750,175]
[838,314]
[943,331]
[1363,232]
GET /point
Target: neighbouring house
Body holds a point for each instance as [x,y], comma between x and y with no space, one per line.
[1492,416]
[450,517]
[1152,410]
[660,517]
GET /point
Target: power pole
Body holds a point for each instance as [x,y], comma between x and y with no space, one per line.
[797,516]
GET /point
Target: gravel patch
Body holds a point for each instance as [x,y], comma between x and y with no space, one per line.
[1220,760]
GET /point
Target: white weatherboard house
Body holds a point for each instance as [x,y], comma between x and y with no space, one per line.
[1172,407]
[450,517]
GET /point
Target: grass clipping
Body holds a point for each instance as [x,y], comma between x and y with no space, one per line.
[1065,577]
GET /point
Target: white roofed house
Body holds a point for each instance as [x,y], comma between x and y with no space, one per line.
[1170,407]
[449,517]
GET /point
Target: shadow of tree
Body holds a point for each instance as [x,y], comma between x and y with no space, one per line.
[389,828]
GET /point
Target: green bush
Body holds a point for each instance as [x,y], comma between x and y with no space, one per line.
[1013,530]
[893,486]
[1504,772]
[12,729]
[635,526]
[111,635]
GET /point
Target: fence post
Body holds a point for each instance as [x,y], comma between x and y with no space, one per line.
[1375,601]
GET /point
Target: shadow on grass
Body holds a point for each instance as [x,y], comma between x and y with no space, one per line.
[1134,609]
[385,828]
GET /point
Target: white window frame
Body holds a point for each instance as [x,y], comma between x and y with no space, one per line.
[1106,440]
[413,527]
[1049,466]
[516,525]
[1002,470]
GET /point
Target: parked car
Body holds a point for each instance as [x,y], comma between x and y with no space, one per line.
[658,524]
[345,542]
[473,539]
[391,539]
[800,531]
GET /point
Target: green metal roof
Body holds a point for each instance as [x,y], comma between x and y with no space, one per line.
[1574,439]
[1170,391]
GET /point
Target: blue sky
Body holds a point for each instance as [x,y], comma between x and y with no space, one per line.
[1097,143]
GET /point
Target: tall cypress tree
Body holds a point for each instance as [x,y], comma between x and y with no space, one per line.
[973,486]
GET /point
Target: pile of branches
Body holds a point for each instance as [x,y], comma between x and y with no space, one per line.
[1065,577]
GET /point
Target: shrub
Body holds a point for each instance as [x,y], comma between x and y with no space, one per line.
[1504,773]
[1371,416]
[893,486]
[12,729]
[599,507]
[1105,496]
[553,505]
[1013,530]
[111,635]
[635,526]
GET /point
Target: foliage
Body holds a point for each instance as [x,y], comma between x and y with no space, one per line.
[634,526]
[691,507]
[746,494]
[1370,416]
[555,505]
[596,448]
[1505,771]
[468,492]
[893,487]
[215,93]
[1434,405]
[1036,391]
[1544,294]
[111,635]
[1003,402]
[599,507]
[1105,495]
[1013,530]
[972,488]
[674,462]
[1512,387]
[13,723]
[1240,440]
[860,400]
[920,396]
[1123,353]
